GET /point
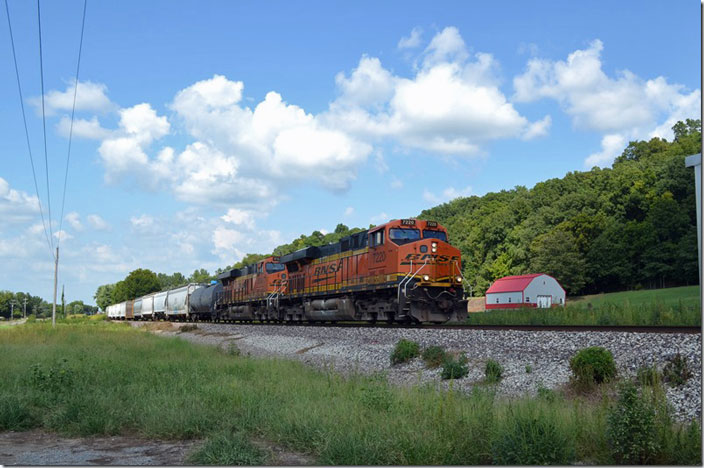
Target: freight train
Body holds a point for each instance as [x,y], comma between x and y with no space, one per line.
[404,271]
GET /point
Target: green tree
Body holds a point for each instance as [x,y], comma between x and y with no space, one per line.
[556,254]
[138,283]
[103,295]
[200,276]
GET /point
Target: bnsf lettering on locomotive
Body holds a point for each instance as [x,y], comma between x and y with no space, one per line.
[327,269]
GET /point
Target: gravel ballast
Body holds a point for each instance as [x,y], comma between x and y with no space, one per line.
[545,353]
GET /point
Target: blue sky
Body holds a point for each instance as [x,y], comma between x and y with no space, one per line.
[208,130]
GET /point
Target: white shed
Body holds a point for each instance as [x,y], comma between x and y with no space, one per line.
[534,290]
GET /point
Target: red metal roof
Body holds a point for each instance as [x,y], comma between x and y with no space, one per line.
[512,283]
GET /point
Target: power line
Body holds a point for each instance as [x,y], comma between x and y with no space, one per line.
[46,157]
[73,112]
[26,131]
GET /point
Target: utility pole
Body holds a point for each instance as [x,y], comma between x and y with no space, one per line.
[56,272]
[24,311]
[12,308]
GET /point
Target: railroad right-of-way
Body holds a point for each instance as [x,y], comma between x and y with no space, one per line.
[531,359]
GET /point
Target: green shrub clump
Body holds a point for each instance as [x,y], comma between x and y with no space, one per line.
[493,371]
[455,368]
[592,365]
[404,351]
[631,429]
[434,356]
[530,436]
[676,372]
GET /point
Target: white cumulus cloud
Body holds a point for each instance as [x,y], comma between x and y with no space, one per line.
[623,107]
[89,97]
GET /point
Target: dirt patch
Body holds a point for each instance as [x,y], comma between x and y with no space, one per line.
[158,326]
[43,448]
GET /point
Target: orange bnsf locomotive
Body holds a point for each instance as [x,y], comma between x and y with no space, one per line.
[404,270]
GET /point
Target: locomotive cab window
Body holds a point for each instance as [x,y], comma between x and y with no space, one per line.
[376,238]
[433,234]
[400,236]
[274,267]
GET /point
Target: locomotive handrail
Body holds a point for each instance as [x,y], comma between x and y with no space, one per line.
[276,292]
[464,280]
[407,279]
[405,287]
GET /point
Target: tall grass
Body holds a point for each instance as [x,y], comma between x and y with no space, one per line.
[124,381]
[652,314]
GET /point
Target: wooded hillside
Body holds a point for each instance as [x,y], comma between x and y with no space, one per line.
[625,227]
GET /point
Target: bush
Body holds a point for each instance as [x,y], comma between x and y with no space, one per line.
[592,365]
[404,351]
[434,356]
[531,437]
[631,429]
[492,371]
[455,368]
[676,372]
[31,318]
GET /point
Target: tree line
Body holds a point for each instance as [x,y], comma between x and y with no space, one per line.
[37,306]
[630,226]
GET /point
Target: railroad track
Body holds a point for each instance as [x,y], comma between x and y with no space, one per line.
[461,326]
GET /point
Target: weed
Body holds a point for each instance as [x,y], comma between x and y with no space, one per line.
[376,395]
[529,369]
[404,351]
[434,356]
[232,349]
[57,378]
[529,436]
[15,414]
[31,318]
[187,328]
[648,376]
[228,448]
[676,372]
[593,365]
[492,371]
[547,394]
[455,368]
[631,429]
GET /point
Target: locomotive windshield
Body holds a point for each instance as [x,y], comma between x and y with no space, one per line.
[401,236]
[433,234]
[274,267]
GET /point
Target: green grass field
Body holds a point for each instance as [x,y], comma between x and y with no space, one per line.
[658,307]
[688,296]
[93,377]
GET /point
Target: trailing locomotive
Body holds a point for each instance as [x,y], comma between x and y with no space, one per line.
[404,270]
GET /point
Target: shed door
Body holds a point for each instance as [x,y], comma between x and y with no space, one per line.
[544,302]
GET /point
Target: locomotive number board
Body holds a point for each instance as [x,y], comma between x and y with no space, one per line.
[408,222]
[431,224]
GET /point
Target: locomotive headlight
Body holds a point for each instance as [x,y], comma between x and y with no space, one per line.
[459,279]
[426,278]
[434,247]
